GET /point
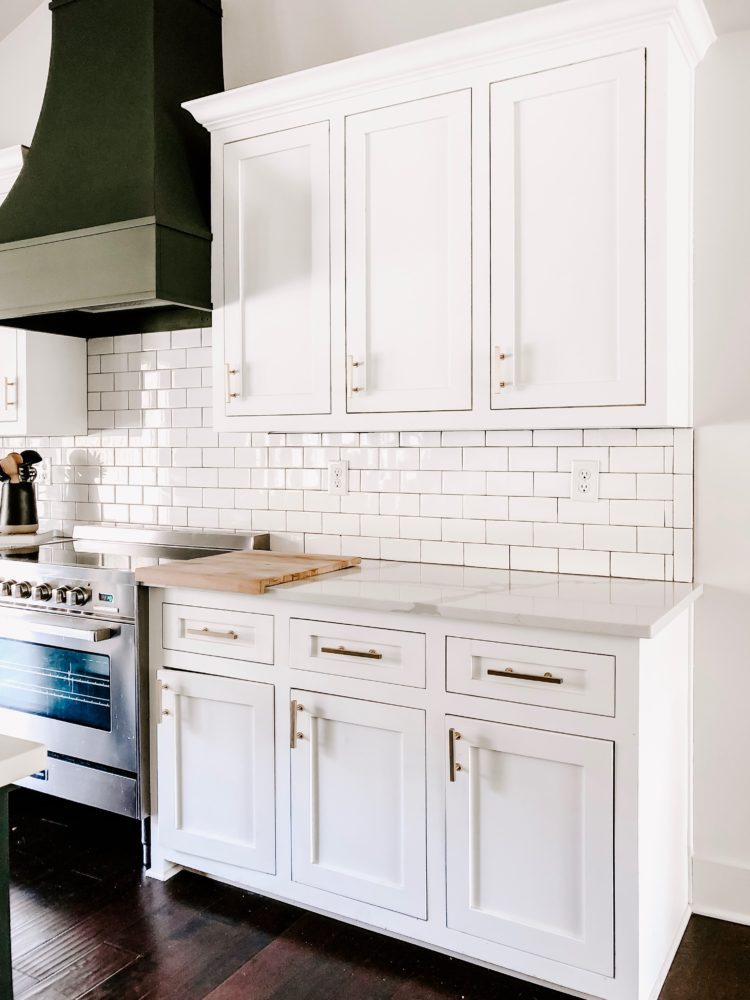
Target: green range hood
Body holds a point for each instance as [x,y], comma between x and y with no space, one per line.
[107,229]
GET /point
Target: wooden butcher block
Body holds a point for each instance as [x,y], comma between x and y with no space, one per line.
[242,572]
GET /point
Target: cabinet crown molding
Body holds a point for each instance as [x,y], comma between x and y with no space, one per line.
[521,34]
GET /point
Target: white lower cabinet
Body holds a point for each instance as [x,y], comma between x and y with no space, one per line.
[216,769]
[514,795]
[358,800]
[530,841]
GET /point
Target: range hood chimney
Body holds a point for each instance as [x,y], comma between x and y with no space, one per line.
[107,229]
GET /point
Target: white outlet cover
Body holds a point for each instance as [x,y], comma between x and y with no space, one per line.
[584,480]
[338,478]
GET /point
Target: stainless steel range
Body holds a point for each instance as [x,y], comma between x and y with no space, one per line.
[73,656]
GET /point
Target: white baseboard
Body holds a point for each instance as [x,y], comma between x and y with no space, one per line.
[721,891]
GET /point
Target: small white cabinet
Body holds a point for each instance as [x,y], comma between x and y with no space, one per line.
[568,236]
[408,256]
[530,841]
[358,800]
[42,384]
[216,768]
[277,275]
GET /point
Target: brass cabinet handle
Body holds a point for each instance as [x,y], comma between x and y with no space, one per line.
[207,633]
[9,383]
[546,678]
[161,687]
[370,654]
[498,356]
[453,766]
[294,735]
[228,372]
[351,364]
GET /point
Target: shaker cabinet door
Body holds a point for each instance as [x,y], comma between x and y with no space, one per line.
[408,256]
[568,236]
[529,831]
[277,273]
[216,769]
[358,800]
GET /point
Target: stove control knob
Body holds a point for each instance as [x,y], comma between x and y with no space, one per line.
[60,594]
[6,588]
[41,592]
[77,596]
[22,590]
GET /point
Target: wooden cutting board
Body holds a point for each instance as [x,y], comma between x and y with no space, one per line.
[241,572]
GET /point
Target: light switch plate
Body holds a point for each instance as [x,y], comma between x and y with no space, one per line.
[584,480]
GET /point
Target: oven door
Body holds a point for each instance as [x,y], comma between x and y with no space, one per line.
[70,682]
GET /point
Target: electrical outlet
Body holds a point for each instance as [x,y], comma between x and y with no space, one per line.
[45,472]
[584,480]
[338,478]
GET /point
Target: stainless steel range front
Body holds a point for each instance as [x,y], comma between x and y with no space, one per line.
[73,656]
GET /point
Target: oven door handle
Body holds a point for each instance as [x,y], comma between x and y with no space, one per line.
[99,634]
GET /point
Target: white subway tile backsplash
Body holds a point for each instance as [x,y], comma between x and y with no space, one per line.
[541,560]
[683,501]
[638,565]
[497,499]
[510,532]
[637,459]
[532,459]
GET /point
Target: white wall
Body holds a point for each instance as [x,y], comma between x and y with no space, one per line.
[722,412]
[269,37]
[24,60]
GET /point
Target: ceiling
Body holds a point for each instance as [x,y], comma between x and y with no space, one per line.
[13,12]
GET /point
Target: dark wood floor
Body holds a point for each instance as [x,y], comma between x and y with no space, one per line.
[88,923]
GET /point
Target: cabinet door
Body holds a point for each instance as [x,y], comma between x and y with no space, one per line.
[568,236]
[8,376]
[358,800]
[408,256]
[277,273]
[216,769]
[530,841]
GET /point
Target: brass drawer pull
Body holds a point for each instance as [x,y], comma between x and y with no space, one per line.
[207,633]
[453,767]
[546,678]
[370,654]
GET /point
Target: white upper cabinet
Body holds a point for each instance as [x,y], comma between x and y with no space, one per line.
[42,384]
[568,236]
[277,274]
[408,256]
[491,228]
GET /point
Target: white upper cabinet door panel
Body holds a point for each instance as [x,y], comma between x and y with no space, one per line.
[277,273]
[408,256]
[530,861]
[568,236]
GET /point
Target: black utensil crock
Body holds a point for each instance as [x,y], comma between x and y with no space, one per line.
[18,514]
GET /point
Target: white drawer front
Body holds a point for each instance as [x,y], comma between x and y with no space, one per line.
[373,654]
[533,675]
[234,634]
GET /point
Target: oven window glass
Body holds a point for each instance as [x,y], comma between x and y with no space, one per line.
[65,684]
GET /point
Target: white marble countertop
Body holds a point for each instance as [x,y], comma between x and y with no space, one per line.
[19,759]
[634,608]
